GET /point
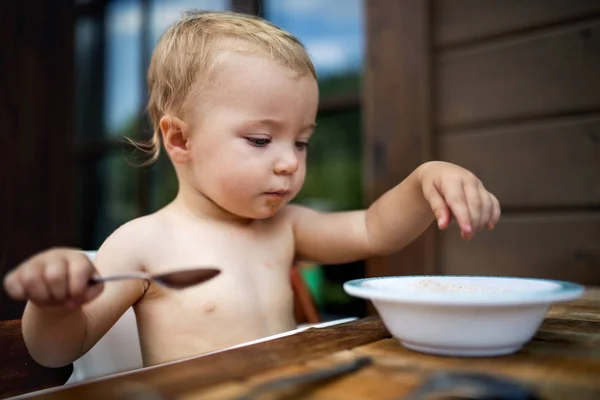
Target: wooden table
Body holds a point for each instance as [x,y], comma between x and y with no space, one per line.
[561,362]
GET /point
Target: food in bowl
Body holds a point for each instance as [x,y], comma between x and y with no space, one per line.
[462,315]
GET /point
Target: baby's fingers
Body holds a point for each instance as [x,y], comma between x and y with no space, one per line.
[438,206]
[81,270]
[34,284]
[455,197]
[495,212]
[56,278]
[475,205]
[14,288]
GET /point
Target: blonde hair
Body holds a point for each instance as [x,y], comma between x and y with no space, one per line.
[186,56]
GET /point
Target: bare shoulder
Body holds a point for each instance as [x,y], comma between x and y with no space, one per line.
[126,249]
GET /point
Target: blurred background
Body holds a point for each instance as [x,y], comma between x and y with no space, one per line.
[509,89]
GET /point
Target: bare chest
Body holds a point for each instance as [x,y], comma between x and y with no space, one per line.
[253,264]
[250,298]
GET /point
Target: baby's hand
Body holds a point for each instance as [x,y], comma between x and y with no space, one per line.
[57,277]
[449,187]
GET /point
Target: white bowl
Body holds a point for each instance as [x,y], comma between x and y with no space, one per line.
[462,315]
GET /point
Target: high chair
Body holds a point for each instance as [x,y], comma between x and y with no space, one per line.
[305,310]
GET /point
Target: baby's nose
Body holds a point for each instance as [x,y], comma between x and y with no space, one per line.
[287,165]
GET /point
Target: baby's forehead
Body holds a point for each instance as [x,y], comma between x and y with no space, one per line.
[234,50]
[256,85]
[238,63]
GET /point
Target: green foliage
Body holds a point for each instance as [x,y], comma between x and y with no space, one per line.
[340,85]
[334,167]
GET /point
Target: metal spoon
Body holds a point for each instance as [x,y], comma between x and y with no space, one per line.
[174,280]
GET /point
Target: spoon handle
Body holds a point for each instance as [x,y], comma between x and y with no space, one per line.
[130,275]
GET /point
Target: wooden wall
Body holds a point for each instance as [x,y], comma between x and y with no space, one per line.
[514,96]
[36,165]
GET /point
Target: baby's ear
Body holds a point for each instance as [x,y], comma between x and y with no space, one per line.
[175,137]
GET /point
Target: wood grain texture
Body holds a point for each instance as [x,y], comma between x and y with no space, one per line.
[397,114]
[36,115]
[583,309]
[557,246]
[550,163]
[179,378]
[546,73]
[497,17]
[561,361]
[19,373]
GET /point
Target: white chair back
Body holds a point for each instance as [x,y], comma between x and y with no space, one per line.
[117,351]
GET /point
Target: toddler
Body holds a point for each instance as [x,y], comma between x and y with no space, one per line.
[233,101]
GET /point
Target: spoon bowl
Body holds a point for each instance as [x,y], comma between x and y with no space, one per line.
[179,279]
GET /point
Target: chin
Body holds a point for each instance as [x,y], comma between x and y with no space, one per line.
[270,211]
[255,214]
[261,211]
[266,214]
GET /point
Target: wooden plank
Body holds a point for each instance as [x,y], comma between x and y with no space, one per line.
[397,114]
[19,373]
[371,382]
[458,21]
[554,163]
[397,371]
[36,110]
[553,246]
[556,375]
[554,72]
[562,361]
[179,378]
[583,309]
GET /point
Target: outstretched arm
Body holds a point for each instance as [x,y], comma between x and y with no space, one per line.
[434,191]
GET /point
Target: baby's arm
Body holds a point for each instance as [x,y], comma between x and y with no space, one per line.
[65,315]
[434,190]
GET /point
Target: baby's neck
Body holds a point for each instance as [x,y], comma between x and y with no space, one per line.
[196,204]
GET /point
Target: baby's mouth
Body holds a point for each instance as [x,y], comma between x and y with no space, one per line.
[278,194]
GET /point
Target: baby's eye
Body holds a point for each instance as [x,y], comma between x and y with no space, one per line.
[258,142]
[302,145]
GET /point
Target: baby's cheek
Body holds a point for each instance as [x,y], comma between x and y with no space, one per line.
[238,187]
[299,178]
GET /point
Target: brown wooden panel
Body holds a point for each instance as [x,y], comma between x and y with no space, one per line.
[397,117]
[561,361]
[554,163]
[19,373]
[553,246]
[176,380]
[555,72]
[36,115]
[458,21]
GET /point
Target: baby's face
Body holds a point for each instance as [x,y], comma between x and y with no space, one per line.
[249,134]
